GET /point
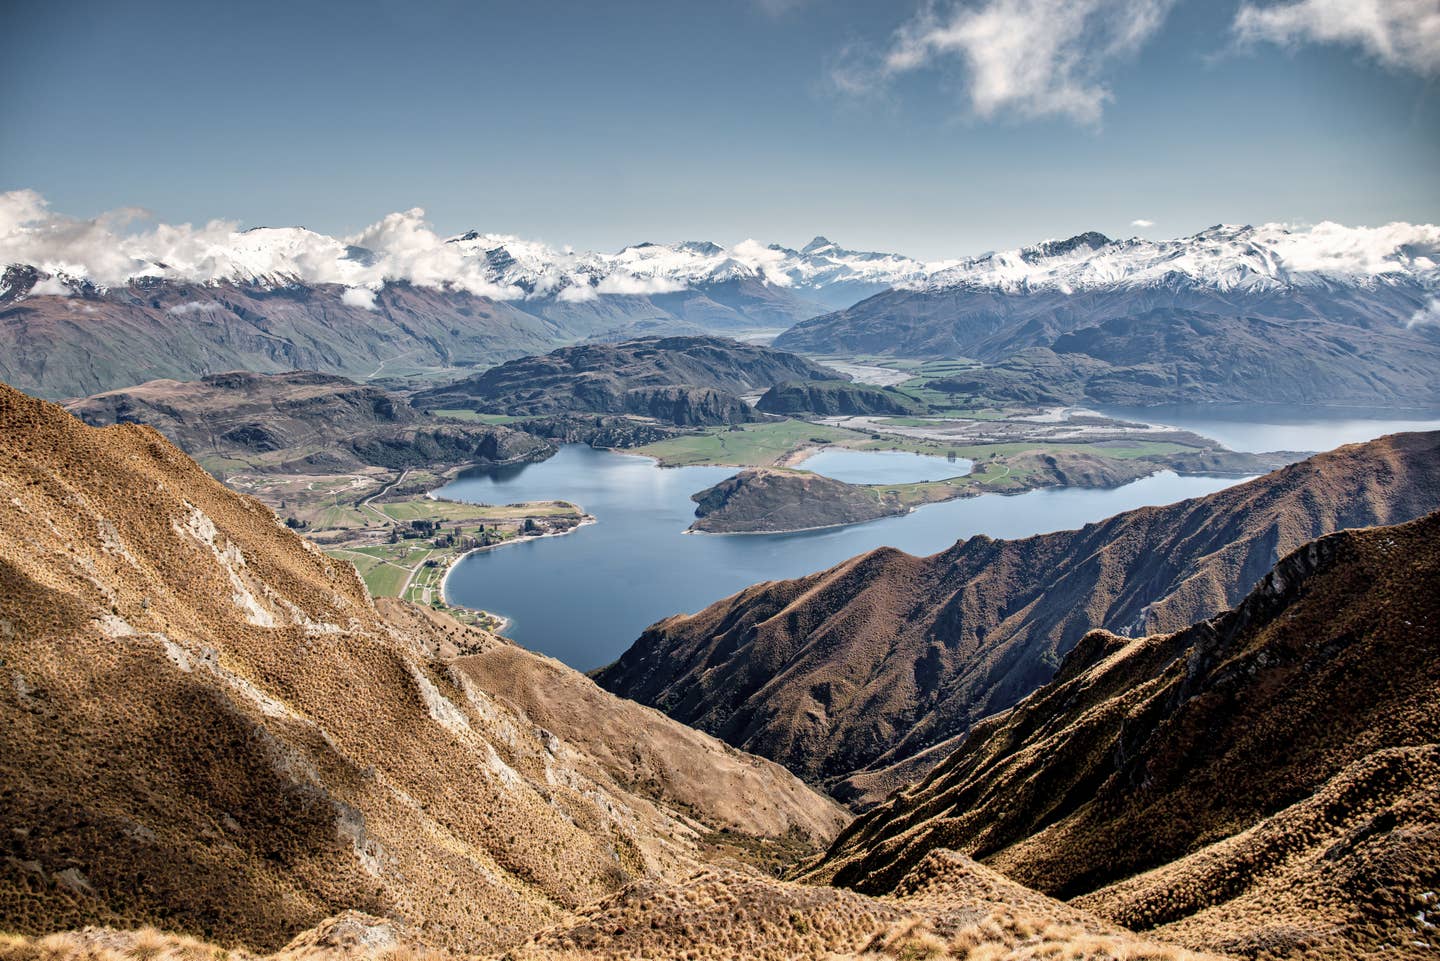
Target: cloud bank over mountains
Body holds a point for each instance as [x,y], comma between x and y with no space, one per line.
[108,251]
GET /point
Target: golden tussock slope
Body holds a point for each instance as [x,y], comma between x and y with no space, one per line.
[206,725]
[948,907]
[1265,783]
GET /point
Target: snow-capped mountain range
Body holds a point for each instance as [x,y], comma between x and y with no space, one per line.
[1224,257]
[403,247]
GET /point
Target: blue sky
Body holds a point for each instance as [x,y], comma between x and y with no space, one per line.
[884,125]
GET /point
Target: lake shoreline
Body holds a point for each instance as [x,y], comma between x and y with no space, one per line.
[504,622]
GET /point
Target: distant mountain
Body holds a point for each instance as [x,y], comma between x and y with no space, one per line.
[206,724]
[1345,305]
[95,339]
[1265,783]
[681,380]
[821,273]
[303,420]
[396,299]
[866,675]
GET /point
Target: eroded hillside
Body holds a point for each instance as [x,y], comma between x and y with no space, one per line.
[1266,781]
[208,726]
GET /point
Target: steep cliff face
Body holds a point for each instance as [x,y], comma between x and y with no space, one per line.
[688,406]
[206,724]
[1267,779]
[836,399]
[842,674]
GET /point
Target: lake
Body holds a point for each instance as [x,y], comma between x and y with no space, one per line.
[1275,427]
[884,466]
[584,597]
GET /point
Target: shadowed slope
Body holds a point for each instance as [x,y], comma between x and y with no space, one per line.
[1266,780]
[302,419]
[205,723]
[885,655]
[643,376]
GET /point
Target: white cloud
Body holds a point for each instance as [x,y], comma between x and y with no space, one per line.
[630,285]
[1403,34]
[1335,249]
[187,308]
[50,287]
[361,297]
[770,264]
[1142,223]
[1030,58]
[577,294]
[105,250]
[1429,314]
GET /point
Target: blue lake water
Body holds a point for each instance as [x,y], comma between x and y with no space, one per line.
[584,597]
[884,467]
[1258,429]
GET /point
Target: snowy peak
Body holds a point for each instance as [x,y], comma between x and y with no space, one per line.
[1224,257]
[403,247]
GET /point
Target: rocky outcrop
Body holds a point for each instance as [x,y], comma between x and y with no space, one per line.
[887,656]
[688,406]
[832,399]
[768,500]
[1279,761]
[599,430]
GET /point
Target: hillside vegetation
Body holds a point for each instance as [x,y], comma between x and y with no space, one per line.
[692,381]
[302,421]
[863,676]
[1281,763]
[208,725]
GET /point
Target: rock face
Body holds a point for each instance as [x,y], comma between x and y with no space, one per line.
[885,659]
[761,500]
[1268,779]
[688,406]
[207,724]
[303,419]
[835,399]
[600,378]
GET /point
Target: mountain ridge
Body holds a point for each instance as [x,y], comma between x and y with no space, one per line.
[1280,760]
[208,724]
[886,658]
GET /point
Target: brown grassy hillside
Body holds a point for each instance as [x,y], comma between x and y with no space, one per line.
[206,725]
[948,908]
[1264,782]
[874,661]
